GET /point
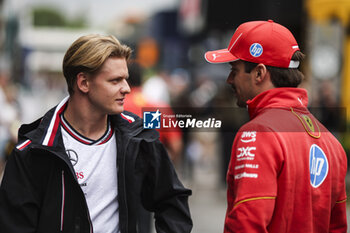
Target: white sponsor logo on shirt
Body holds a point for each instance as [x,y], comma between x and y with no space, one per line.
[245,153]
[248,136]
[246,175]
[248,165]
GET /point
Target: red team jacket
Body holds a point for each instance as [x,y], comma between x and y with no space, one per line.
[287,171]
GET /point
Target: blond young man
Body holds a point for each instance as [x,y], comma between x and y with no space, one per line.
[86,165]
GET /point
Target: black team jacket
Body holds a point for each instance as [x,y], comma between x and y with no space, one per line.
[40,192]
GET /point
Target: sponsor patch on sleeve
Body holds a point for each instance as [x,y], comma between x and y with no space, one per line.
[245,166]
[248,136]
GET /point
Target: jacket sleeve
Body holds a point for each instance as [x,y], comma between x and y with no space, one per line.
[252,182]
[19,205]
[338,222]
[163,193]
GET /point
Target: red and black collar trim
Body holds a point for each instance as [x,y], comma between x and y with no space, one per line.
[75,134]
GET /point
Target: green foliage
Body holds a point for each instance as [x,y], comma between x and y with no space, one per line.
[50,17]
[79,22]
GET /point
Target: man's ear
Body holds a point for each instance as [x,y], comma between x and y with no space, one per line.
[260,73]
[82,82]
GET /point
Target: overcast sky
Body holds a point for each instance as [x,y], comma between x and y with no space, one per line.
[98,12]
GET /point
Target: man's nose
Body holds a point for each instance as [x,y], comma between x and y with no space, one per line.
[126,88]
[229,79]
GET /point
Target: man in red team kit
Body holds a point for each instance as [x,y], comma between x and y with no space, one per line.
[287,171]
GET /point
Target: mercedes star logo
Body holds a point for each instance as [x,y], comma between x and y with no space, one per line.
[73,156]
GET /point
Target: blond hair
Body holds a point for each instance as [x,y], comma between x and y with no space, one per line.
[88,53]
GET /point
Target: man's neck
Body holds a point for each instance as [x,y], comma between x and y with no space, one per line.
[85,120]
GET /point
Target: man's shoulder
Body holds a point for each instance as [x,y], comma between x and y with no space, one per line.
[132,124]
[259,123]
[277,120]
[26,128]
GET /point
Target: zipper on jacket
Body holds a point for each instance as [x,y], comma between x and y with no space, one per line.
[121,152]
[63,201]
[126,203]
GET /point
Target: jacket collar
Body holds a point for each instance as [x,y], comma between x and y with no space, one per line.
[278,98]
[131,125]
[45,131]
[54,124]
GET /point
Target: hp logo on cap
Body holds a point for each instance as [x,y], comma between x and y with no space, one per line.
[256,50]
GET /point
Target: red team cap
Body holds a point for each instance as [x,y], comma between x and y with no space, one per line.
[263,42]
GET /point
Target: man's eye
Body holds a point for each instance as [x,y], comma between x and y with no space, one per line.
[115,80]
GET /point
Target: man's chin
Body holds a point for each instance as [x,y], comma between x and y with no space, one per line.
[116,111]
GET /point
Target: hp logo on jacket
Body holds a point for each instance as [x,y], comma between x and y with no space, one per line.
[318,166]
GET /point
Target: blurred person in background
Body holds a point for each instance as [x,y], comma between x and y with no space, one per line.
[161,93]
[135,102]
[287,171]
[9,116]
[325,103]
[233,118]
[87,165]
